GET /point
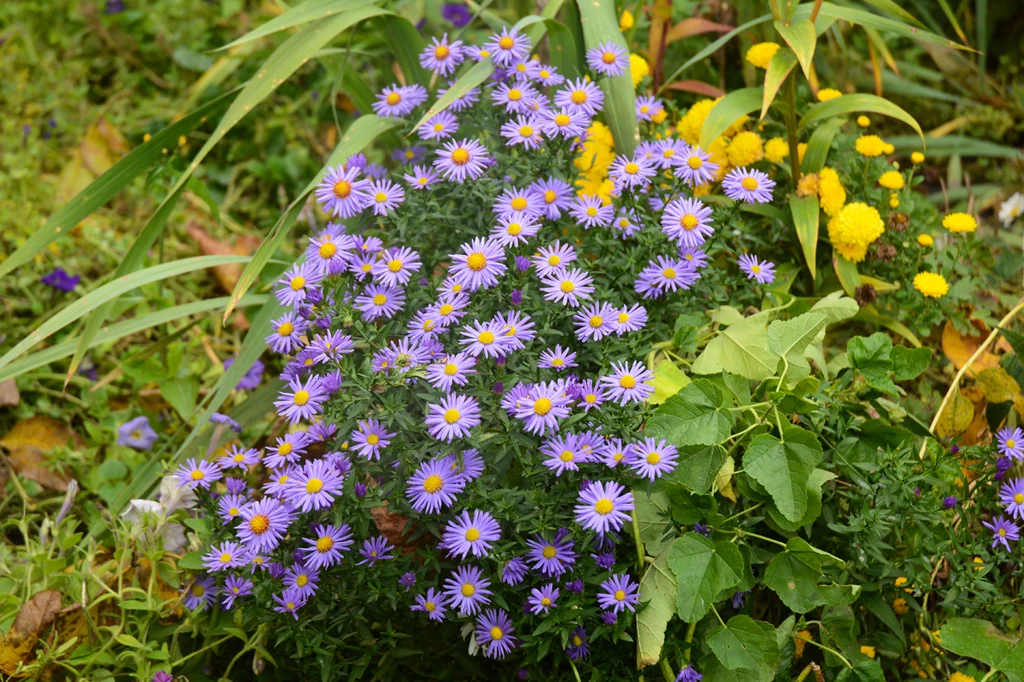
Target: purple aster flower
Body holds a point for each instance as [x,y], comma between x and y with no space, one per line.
[694,256]
[341,192]
[542,407]
[1010,442]
[578,648]
[327,545]
[631,173]
[548,75]
[517,328]
[525,71]
[137,434]
[434,486]
[567,287]
[563,453]
[666,153]
[408,154]
[472,465]
[590,395]
[289,601]
[201,593]
[60,280]
[608,59]
[513,200]
[330,347]
[551,261]
[514,97]
[296,283]
[762,271]
[315,486]
[374,550]
[689,674]
[287,449]
[1003,530]
[559,359]
[485,338]
[287,334]
[264,524]
[464,101]
[385,196]
[565,123]
[198,474]
[694,167]
[626,222]
[508,47]
[687,221]
[466,590]
[480,264]
[580,96]
[630,319]
[359,489]
[439,127]
[619,593]
[303,579]
[421,178]
[514,229]
[474,534]
[396,266]
[604,507]
[575,586]
[949,502]
[459,160]
[301,401]
[252,378]
[278,483]
[378,300]
[1011,497]
[235,456]
[594,322]
[453,417]
[370,438]
[433,603]
[523,130]
[627,383]
[612,452]
[226,555]
[604,560]
[396,101]
[442,57]
[590,211]
[556,194]
[542,600]
[551,558]
[739,598]
[494,633]
[750,186]
[453,370]
[457,13]
[646,109]
[234,588]
[230,506]
[513,572]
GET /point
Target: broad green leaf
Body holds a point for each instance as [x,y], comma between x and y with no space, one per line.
[304,13]
[744,643]
[846,272]
[693,416]
[123,329]
[983,641]
[793,575]
[363,131]
[909,363]
[783,468]
[875,21]
[870,314]
[891,7]
[654,519]
[820,144]
[696,468]
[601,25]
[181,393]
[703,570]
[108,185]
[836,308]
[856,103]
[801,37]
[871,356]
[714,671]
[815,481]
[729,109]
[668,379]
[658,593]
[742,349]
[405,43]
[112,290]
[789,339]
[866,670]
[879,606]
[805,219]
[954,144]
[193,561]
[779,67]
[712,48]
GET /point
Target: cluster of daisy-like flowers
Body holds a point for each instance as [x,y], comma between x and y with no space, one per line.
[349,319]
[1010,445]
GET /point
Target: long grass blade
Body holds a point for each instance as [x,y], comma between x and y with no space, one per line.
[857,102]
[308,11]
[863,18]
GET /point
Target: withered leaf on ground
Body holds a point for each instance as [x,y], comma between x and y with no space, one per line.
[35,616]
[29,441]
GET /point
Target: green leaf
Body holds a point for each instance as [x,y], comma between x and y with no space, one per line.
[793,575]
[947,146]
[703,570]
[108,185]
[745,643]
[714,671]
[836,308]
[658,593]
[112,290]
[696,467]
[909,363]
[801,37]
[405,43]
[862,671]
[783,468]
[983,641]
[805,219]
[693,416]
[130,641]
[601,25]
[668,379]
[181,394]
[846,272]
[653,517]
[712,48]
[193,561]
[728,110]
[310,10]
[875,21]
[856,103]
[815,481]
[871,357]
[789,339]
[778,68]
[741,348]
[820,144]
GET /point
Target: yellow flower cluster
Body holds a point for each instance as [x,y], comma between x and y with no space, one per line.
[745,148]
[931,284]
[831,193]
[853,229]
[776,149]
[826,94]
[917,158]
[891,180]
[736,146]
[925,239]
[638,68]
[960,677]
[593,161]
[626,21]
[870,145]
[960,222]
[863,121]
[760,55]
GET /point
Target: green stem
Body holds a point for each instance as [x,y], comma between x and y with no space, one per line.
[829,649]
[666,670]
[791,134]
[639,542]
[747,533]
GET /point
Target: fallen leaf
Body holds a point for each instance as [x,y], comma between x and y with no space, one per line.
[227,275]
[396,528]
[998,385]
[102,146]
[9,394]
[70,623]
[960,348]
[956,417]
[29,441]
[35,616]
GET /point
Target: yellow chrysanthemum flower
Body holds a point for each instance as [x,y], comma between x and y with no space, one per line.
[760,55]
[702,190]
[900,606]
[870,145]
[595,187]
[690,124]
[600,132]
[808,185]
[746,148]
[917,158]
[776,149]
[960,677]
[931,284]
[868,651]
[719,154]
[659,117]
[831,192]
[863,121]
[626,21]
[960,222]
[801,149]
[638,68]
[826,94]
[894,200]
[888,148]
[594,157]
[853,229]
[925,239]
[800,641]
[901,581]
[891,180]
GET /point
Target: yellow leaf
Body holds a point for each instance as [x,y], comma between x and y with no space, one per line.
[35,616]
[29,441]
[723,479]
[959,349]
[956,416]
[668,380]
[998,385]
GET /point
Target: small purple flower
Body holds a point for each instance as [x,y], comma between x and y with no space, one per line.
[342,193]
[252,377]
[760,270]
[235,456]
[1003,530]
[541,406]
[442,57]
[949,502]
[523,130]
[603,507]
[590,211]
[303,579]
[327,545]
[453,417]
[604,560]
[385,196]
[296,283]
[652,459]
[556,194]
[315,486]
[516,297]
[374,550]
[198,474]
[301,400]
[750,186]
[694,167]
[559,359]
[580,96]
[234,587]
[224,420]
[508,47]
[290,601]
[370,438]
[646,109]
[513,572]
[688,222]
[578,648]
[226,555]
[60,280]
[264,524]
[1011,497]
[467,590]
[541,600]
[494,633]
[1010,442]
[421,178]
[594,322]
[461,160]
[552,260]
[201,593]
[287,333]
[380,301]
[568,287]
[468,533]
[631,173]
[433,603]
[628,382]
[551,558]
[137,434]
[397,100]
[619,593]
[608,59]
[457,13]
[689,674]
[701,529]
[396,266]
[480,265]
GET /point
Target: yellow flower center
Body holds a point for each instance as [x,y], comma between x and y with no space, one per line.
[515,94]
[393,98]
[233,511]
[327,249]
[749,184]
[1011,443]
[468,590]
[566,456]
[380,299]
[446,309]
[342,188]
[561,120]
[438,127]
[496,633]
[632,168]
[542,405]
[627,381]
[591,211]
[198,475]
[314,485]
[567,287]
[1002,532]
[324,544]
[1019,498]
[756,269]
[604,506]
[669,273]
[441,52]
[514,229]
[451,369]
[301,581]
[590,398]
[486,337]
[694,162]
[395,265]
[554,261]
[653,458]
[519,203]
[549,552]
[297,283]
[620,595]
[433,483]
[578,96]
[451,416]
[259,524]
[644,109]
[373,439]
[460,156]
[623,318]
[545,601]
[608,57]
[198,590]
[380,197]
[689,221]
[429,606]
[669,153]
[472,535]
[596,321]
[506,43]
[286,329]
[577,640]
[226,558]
[301,398]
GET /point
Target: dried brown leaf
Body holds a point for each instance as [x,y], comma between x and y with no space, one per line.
[35,616]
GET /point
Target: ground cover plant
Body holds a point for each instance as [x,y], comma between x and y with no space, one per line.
[585,341]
